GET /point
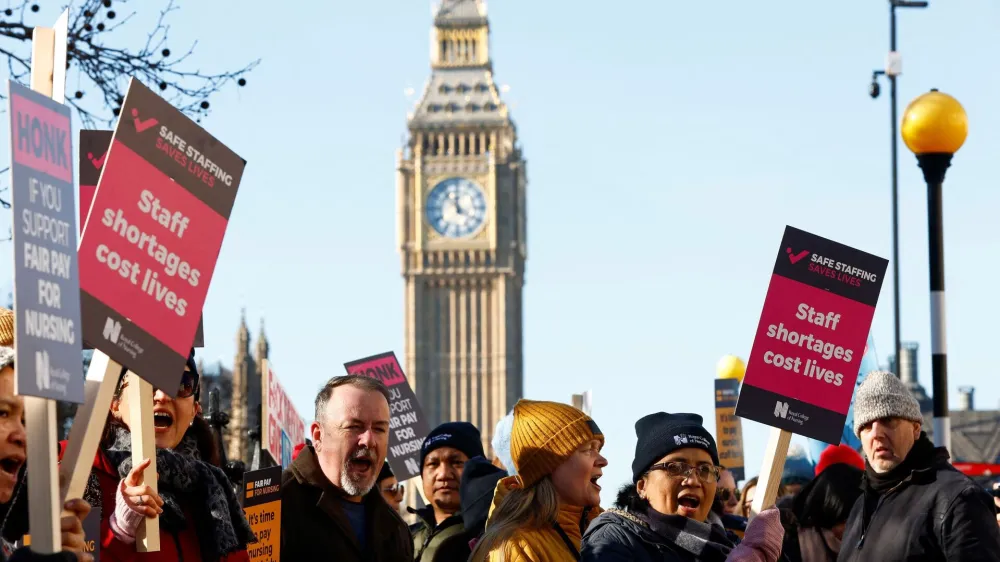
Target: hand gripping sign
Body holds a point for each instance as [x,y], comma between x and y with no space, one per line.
[407,425]
[147,255]
[809,345]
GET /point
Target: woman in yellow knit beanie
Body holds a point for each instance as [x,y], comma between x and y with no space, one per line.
[540,514]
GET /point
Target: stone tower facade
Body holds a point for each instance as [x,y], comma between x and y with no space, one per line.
[246,394]
[461,183]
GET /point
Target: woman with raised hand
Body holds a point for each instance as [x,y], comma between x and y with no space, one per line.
[540,514]
[13,443]
[666,513]
[199,515]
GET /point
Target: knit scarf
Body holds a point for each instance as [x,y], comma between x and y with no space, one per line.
[186,481]
[922,455]
[706,542]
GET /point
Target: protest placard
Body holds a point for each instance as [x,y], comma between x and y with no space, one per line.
[46,276]
[728,427]
[262,505]
[94,147]
[809,344]
[283,427]
[160,212]
[811,336]
[91,534]
[148,252]
[407,425]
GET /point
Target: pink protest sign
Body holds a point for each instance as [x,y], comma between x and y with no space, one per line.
[283,427]
[811,336]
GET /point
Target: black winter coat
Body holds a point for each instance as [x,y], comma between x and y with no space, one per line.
[619,536]
[315,528]
[935,514]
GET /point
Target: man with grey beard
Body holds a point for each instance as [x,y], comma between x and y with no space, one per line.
[330,508]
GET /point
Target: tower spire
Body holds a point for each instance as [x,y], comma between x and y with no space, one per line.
[460,13]
[262,345]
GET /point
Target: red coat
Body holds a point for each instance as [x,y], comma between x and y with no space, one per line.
[179,547]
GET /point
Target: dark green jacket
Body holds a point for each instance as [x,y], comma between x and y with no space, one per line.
[430,539]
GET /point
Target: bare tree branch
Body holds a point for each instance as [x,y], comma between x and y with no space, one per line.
[103,67]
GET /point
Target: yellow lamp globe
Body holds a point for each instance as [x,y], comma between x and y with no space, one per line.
[731,367]
[934,123]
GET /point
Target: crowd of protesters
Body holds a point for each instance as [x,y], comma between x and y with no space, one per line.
[536,499]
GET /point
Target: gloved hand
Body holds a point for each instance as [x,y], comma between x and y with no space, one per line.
[762,540]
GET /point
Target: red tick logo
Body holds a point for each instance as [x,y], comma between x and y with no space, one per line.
[140,124]
[97,162]
[795,258]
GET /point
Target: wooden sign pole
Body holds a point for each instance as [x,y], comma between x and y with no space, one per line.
[140,399]
[771,470]
[88,425]
[40,413]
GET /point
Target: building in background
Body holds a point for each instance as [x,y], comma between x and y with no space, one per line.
[239,390]
[975,435]
[461,231]
[906,370]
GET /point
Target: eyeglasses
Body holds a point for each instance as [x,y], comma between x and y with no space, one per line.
[705,472]
[727,495]
[395,489]
[189,384]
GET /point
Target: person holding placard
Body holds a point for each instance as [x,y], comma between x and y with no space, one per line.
[915,505]
[199,515]
[666,516]
[13,440]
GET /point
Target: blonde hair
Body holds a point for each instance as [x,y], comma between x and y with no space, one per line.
[533,508]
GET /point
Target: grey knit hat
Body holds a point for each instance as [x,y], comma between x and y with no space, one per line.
[883,395]
[6,356]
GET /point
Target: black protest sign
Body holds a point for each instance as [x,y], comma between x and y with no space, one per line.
[94,147]
[91,534]
[407,425]
[46,273]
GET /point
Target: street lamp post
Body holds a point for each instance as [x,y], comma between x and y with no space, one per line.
[934,128]
[892,70]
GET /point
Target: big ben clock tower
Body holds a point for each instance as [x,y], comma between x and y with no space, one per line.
[461,231]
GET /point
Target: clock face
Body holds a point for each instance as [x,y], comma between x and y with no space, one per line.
[456,208]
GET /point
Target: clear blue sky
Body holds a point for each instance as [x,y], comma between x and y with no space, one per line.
[668,145]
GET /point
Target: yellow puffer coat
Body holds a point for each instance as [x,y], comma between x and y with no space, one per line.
[541,545]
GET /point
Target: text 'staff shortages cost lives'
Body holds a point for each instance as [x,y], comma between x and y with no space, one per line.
[811,337]
[262,506]
[46,274]
[407,425]
[94,148]
[153,236]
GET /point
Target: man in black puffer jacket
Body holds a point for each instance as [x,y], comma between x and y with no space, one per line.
[914,505]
